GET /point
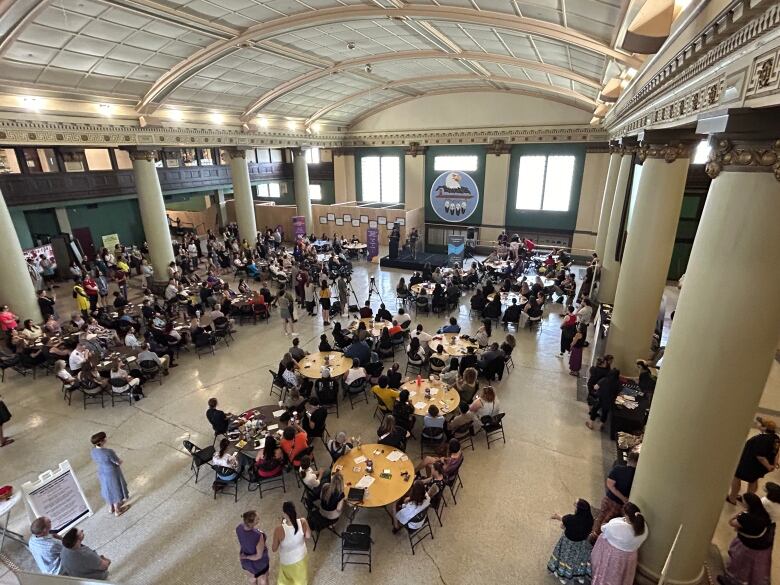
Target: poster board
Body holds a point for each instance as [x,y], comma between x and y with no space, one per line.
[110,241]
[58,495]
[372,239]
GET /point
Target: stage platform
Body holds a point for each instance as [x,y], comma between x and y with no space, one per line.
[406,262]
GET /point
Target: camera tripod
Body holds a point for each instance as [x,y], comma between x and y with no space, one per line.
[373,288]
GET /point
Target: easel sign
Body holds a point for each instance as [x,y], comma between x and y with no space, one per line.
[57,495]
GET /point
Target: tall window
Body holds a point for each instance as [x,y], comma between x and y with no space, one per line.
[544,182]
[315,192]
[455,163]
[312,156]
[381,178]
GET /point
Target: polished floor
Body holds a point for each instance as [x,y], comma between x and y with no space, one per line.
[500,531]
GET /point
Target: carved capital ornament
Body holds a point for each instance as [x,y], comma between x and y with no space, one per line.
[147,155]
[744,157]
[667,152]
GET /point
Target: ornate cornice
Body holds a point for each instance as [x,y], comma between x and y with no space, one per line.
[739,156]
[415,148]
[343,151]
[234,152]
[498,147]
[668,152]
[136,154]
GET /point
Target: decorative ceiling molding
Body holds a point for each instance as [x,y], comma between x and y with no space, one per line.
[587,103]
[344,14]
[39,133]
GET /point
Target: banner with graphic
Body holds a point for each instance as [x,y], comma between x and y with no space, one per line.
[299,226]
[456,248]
[372,240]
[454,196]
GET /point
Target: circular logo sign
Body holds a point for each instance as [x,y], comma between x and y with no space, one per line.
[454,196]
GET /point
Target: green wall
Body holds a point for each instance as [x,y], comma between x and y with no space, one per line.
[187,201]
[120,217]
[22,229]
[42,222]
[328,191]
[545,220]
[478,176]
[361,152]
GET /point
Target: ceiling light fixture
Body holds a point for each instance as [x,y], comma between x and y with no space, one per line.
[31,103]
[217,118]
[262,121]
[105,109]
[316,127]
[175,115]
[292,125]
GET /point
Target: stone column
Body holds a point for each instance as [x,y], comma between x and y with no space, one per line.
[717,358]
[594,175]
[414,176]
[610,267]
[648,249]
[242,195]
[344,175]
[606,202]
[152,208]
[16,286]
[301,177]
[62,219]
[496,185]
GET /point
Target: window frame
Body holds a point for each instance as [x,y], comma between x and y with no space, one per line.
[318,189]
[400,176]
[309,154]
[546,157]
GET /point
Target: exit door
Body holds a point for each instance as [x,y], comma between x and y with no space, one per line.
[84,237]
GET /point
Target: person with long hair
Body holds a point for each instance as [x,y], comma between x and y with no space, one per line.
[409,513]
[253,552]
[568,331]
[289,539]
[224,459]
[332,497]
[484,332]
[391,434]
[467,385]
[570,559]
[270,461]
[325,302]
[113,486]
[614,557]
[750,553]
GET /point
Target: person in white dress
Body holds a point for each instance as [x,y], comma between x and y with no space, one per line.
[290,540]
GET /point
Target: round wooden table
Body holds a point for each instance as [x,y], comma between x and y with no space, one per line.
[443,396]
[356,247]
[497,265]
[506,298]
[258,420]
[373,327]
[383,491]
[428,286]
[311,365]
[459,348]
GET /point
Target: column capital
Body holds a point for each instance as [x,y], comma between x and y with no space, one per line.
[236,152]
[744,156]
[628,145]
[498,147]
[614,147]
[668,145]
[142,154]
[415,148]
[297,151]
[343,151]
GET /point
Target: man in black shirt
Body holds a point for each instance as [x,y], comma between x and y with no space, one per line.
[468,361]
[619,482]
[220,421]
[383,314]
[314,422]
[46,304]
[512,313]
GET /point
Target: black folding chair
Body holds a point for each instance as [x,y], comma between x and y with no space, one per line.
[355,390]
[356,542]
[151,371]
[417,535]
[494,428]
[200,457]
[220,483]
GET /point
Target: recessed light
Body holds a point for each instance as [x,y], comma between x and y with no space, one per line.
[105,109]
[175,115]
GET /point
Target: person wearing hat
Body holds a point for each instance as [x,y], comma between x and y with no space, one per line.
[771,501]
[759,457]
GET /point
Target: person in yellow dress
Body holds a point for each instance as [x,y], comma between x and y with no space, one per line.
[81,297]
[290,540]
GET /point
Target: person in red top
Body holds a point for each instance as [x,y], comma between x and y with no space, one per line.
[294,442]
[396,328]
[91,288]
[8,320]
[529,245]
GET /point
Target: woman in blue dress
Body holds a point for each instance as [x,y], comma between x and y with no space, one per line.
[113,487]
[254,550]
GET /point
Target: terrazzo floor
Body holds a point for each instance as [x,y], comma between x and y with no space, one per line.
[500,531]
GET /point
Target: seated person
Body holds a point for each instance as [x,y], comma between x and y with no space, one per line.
[366,311]
[294,402]
[324,343]
[403,411]
[219,420]
[294,442]
[434,419]
[332,497]
[314,421]
[420,334]
[356,372]
[30,331]
[270,461]
[512,313]
[384,393]
[461,421]
[310,477]
[296,352]
[414,350]
[228,460]
[485,404]
[392,434]
[383,314]
[133,384]
[450,374]
[492,309]
[45,547]
[339,446]
[77,560]
[451,327]
[147,355]
[469,360]
[394,376]
[451,461]
[402,317]
[395,329]
[467,385]
[489,355]
[409,511]
[359,350]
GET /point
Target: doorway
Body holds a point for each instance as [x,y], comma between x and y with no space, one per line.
[84,237]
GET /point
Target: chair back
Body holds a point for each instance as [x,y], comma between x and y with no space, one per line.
[492,422]
[432,434]
[357,385]
[405,325]
[190,447]
[436,362]
[119,383]
[397,338]
[382,405]
[327,394]
[149,366]
[421,302]
[356,537]
[463,431]
[223,471]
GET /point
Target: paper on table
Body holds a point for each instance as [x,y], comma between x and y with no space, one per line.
[278,413]
[420,405]
[272,427]
[412,394]
[434,391]
[365,482]
[395,455]
[360,459]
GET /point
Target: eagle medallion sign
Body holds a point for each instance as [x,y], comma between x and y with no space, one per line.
[454,196]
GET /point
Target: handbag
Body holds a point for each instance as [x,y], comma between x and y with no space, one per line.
[5,414]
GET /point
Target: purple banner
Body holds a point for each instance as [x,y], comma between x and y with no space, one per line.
[372,239]
[299,226]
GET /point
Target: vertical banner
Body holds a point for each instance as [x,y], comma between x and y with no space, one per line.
[372,239]
[299,226]
[456,247]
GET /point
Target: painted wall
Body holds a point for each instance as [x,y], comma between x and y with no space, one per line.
[111,217]
[594,177]
[478,176]
[545,220]
[414,184]
[473,110]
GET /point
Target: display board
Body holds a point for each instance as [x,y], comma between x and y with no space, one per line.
[456,247]
[454,196]
[57,494]
[372,240]
[110,241]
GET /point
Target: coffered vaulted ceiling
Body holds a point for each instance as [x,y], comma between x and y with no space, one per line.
[306,59]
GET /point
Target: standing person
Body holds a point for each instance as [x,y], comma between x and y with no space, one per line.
[5,416]
[584,316]
[325,302]
[253,549]
[46,305]
[343,289]
[113,487]
[568,331]
[81,297]
[81,561]
[290,540]
[606,391]
[45,547]
[759,457]
[91,288]
[575,357]
[750,553]
[618,484]
[285,303]
[571,556]
[614,558]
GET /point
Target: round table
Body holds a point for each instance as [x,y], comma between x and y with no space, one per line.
[373,327]
[459,348]
[356,247]
[264,417]
[383,491]
[445,398]
[428,286]
[498,265]
[506,298]
[311,365]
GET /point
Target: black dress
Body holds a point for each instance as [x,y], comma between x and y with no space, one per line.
[764,445]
